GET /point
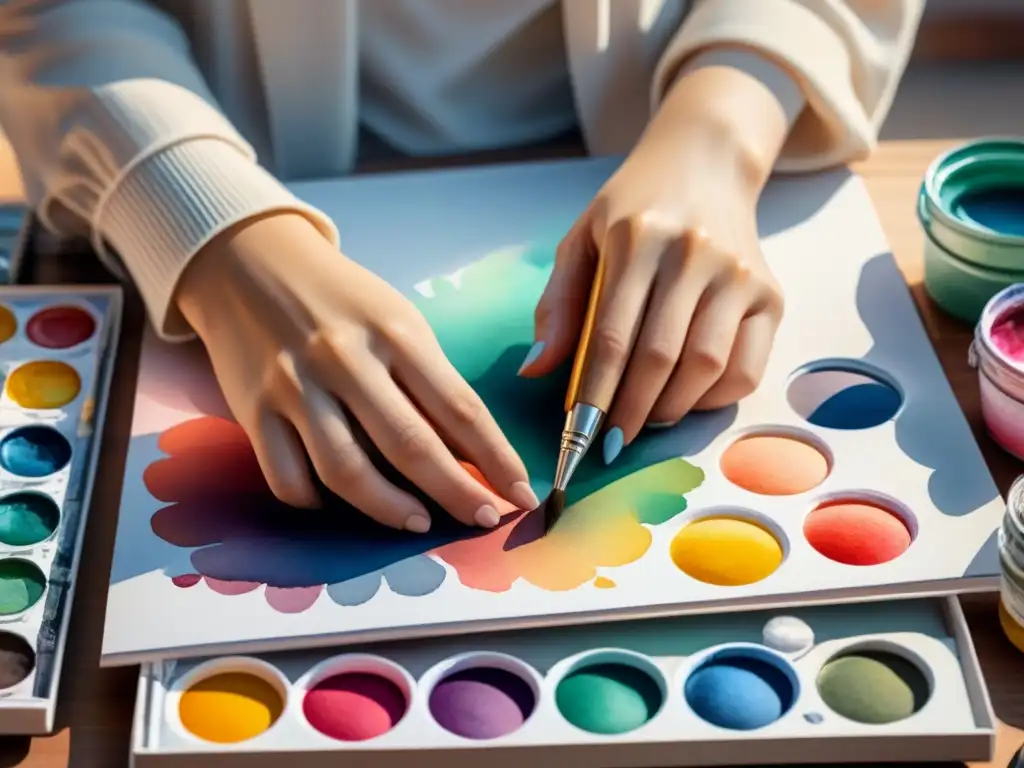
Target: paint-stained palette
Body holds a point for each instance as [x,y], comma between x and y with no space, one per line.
[57,348]
[850,472]
[890,683]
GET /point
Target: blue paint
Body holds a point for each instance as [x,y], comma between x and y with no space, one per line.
[34,452]
[739,692]
[999,209]
[859,407]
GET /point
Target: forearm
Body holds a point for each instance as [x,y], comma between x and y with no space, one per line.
[734,98]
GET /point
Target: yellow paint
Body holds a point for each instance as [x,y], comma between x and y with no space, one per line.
[229,708]
[8,324]
[726,551]
[1014,632]
[602,582]
[44,384]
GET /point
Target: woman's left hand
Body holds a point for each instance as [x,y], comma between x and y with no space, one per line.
[689,308]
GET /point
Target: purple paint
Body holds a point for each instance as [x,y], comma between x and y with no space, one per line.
[482,703]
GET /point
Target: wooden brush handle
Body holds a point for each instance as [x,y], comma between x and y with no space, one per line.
[580,362]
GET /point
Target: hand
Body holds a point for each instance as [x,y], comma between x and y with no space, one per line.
[301,338]
[689,308]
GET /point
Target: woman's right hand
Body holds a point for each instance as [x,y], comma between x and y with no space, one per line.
[301,338]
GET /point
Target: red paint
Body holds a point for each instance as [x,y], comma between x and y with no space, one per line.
[60,327]
[856,533]
[1008,334]
[186,580]
[354,706]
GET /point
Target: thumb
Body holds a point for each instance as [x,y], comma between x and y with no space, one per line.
[558,318]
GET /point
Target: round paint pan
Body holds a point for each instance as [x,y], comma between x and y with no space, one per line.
[843,394]
[34,452]
[64,326]
[355,697]
[8,324]
[43,385]
[17,660]
[227,701]
[609,692]
[482,696]
[740,687]
[22,584]
[875,684]
[860,528]
[729,547]
[27,518]
[776,462]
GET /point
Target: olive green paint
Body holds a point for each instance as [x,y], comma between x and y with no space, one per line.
[873,688]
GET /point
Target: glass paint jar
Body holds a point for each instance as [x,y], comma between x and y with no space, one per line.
[1011,559]
[971,207]
[1000,365]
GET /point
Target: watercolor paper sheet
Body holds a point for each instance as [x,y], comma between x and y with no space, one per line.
[207,560]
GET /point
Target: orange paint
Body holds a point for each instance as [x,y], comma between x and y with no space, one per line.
[604,583]
[774,465]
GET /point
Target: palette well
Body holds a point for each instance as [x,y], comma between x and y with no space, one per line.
[57,348]
[888,682]
[849,473]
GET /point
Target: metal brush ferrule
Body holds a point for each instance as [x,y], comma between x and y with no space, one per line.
[581,426]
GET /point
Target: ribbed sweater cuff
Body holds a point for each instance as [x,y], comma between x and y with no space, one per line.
[172,204]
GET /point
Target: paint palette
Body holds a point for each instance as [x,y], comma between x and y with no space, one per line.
[57,351]
[888,683]
[850,473]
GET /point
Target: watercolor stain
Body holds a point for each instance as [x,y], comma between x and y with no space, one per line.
[603,582]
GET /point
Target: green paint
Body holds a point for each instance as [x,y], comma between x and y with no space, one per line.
[608,698]
[499,293]
[21,586]
[27,519]
[873,688]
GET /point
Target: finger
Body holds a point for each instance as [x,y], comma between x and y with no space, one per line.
[626,286]
[466,423]
[412,446]
[746,364]
[344,467]
[283,460]
[560,311]
[706,352]
[678,288]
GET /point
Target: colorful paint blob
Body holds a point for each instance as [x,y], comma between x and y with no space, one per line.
[34,452]
[602,582]
[609,698]
[21,585]
[482,703]
[17,659]
[726,551]
[855,532]
[60,327]
[354,706]
[44,384]
[230,707]
[27,519]
[873,687]
[843,398]
[774,465]
[8,324]
[1007,334]
[741,692]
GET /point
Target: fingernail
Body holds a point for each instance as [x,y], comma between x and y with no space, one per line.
[661,424]
[612,445]
[531,356]
[522,495]
[417,524]
[486,516]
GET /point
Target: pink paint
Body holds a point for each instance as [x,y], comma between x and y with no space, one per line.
[998,355]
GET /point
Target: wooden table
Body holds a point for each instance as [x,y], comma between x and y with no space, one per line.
[95,706]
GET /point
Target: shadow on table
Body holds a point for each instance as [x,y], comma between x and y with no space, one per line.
[14,750]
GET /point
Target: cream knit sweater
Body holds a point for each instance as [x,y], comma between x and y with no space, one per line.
[140,123]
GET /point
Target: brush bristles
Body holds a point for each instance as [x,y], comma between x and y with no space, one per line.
[553,508]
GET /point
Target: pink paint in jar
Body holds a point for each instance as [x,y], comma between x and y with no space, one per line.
[998,355]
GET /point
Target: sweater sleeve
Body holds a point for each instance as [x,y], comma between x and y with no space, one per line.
[118,138]
[847,57]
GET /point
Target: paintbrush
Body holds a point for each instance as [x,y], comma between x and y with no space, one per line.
[582,420]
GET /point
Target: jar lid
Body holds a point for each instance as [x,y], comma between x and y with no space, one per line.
[978,189]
